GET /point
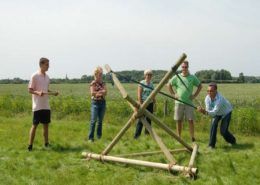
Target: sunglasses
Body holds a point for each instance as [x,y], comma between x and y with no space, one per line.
[185,67]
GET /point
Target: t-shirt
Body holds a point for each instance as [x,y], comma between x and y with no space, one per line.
[184,93]
[40,82]
[146,91]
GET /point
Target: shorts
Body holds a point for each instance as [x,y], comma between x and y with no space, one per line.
[41,116]
[181,111]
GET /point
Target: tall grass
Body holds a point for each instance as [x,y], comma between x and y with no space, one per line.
[74,103]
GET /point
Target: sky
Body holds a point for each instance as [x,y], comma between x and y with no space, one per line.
[79,35]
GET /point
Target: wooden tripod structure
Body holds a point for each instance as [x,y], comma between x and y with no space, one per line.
[141,113]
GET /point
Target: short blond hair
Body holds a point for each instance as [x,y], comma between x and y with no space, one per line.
[147,72]
[97,70]
[186,62]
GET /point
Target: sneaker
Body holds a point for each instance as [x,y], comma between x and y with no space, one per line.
[90,140]
[232,144]
[30,148]
[211,147]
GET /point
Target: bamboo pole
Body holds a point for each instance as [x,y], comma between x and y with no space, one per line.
[141,163]
[193,155]
[51,93]
[158,140]
[152,153]
[116,81]
[120,87]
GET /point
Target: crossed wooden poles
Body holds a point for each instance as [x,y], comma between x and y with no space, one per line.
[141,113]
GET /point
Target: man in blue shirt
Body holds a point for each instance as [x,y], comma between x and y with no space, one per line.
[218,108]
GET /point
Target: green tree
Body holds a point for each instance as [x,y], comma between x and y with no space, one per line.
[241,78]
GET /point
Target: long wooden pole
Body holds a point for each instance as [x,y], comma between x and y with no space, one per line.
[141,163]
[193,155]
[116,81]
[119,86]
[152,153]
[128,124]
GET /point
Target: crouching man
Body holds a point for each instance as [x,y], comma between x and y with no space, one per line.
[219,109]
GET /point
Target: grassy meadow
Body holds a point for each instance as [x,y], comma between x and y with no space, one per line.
[62,163]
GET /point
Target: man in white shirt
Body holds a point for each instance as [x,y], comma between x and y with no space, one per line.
[39,88]
[218,108]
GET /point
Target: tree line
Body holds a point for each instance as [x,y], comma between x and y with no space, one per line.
[219,76]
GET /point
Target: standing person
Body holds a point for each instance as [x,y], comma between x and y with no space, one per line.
[218,108]
[184,92]
[98,93]
[142,95]
[39,88]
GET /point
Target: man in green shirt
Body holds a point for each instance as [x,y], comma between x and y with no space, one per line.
[184,92]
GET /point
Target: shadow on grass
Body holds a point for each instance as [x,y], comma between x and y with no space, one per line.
[67,149]
[240,146]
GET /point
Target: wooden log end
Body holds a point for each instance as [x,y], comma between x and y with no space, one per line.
[107,67]
[193,175]
[86,155]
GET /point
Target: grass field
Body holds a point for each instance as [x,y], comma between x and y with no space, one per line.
[62,163]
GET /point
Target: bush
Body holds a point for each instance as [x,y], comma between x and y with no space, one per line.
[11,105]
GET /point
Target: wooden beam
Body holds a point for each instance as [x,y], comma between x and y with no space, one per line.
[193,155]
[172,168]
[152,153]
[122,89]
[116,81]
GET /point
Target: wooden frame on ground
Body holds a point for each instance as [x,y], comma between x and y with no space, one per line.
[140,112]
